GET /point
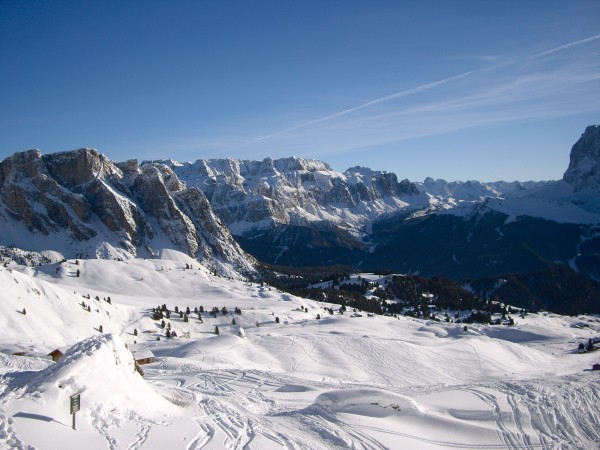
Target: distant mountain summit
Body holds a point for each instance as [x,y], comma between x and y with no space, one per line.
[584,166]
[81,204]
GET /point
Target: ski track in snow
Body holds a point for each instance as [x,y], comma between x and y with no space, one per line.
[339,382]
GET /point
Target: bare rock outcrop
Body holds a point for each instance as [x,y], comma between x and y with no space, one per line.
[86,198]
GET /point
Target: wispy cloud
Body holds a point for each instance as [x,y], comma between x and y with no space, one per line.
[368,104]
[557,82]
[565,47]
[551,83]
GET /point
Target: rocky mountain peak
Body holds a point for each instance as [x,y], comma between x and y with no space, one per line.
[584,166]
[80,166]
[90,203]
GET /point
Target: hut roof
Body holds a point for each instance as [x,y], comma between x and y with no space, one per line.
[142,354]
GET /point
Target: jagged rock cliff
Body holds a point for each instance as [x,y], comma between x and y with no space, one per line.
[250,195]
[584,166]
[81,203]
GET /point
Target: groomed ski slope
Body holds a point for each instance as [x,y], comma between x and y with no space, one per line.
[338,382]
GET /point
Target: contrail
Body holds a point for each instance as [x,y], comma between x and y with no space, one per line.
[564,47]
[411,91]
[357,108]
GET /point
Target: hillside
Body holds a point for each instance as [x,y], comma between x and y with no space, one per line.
[297,382]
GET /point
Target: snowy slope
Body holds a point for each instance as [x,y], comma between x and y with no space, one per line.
[337,382]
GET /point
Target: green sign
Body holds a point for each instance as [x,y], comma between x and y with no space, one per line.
[75,403]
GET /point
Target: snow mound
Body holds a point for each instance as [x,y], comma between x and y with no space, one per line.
[103,370]
[368,402]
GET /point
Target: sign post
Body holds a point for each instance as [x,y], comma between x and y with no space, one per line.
[75,405]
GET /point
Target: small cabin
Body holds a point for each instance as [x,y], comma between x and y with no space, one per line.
[143,357]
[596,367]
[56,354]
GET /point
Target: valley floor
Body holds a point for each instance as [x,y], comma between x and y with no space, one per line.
[338,382]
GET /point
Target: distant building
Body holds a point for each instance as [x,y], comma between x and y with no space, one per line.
[56,354]
[143,357]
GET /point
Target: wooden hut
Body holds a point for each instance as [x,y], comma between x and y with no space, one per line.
[56,354]
[143,357]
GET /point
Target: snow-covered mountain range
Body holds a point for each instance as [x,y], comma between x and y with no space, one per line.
[296,211]
[250,195]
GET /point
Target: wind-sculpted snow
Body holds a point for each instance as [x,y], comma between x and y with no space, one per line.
[103,357]
[304,383]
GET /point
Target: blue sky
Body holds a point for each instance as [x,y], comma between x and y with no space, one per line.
[459,90]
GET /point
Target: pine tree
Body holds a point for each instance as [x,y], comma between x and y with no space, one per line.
[168,334]
[100,329]
[24,312]
[318,316]
[185,318]
[135,331]
[276,319]
[216,329]
[233,321]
